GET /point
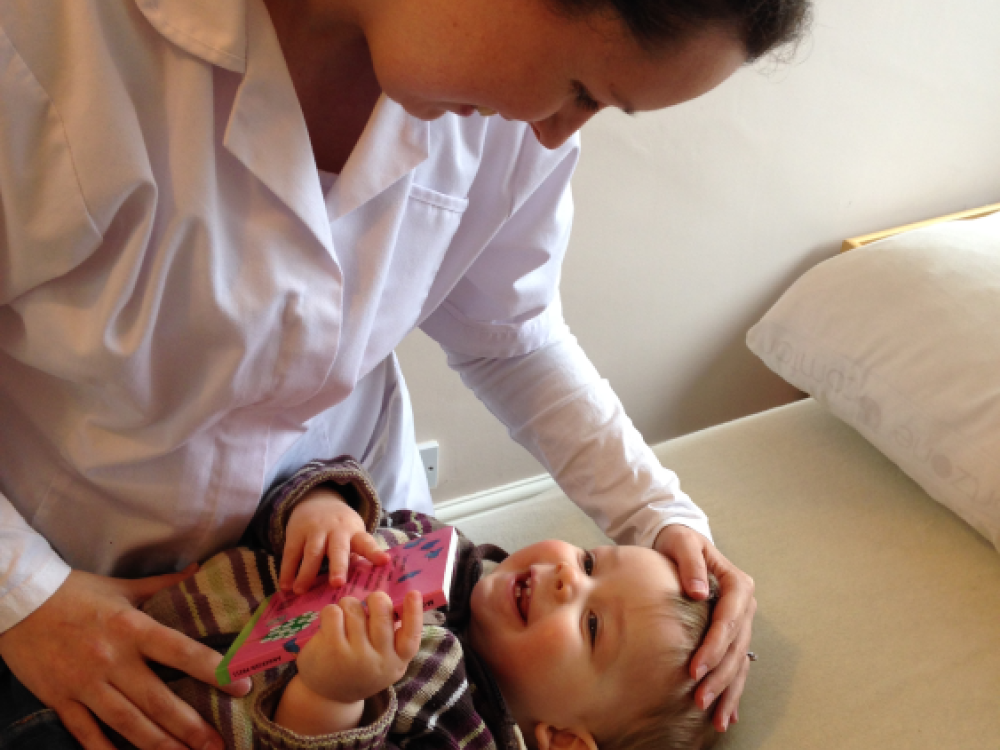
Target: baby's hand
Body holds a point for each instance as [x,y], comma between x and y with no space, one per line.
[355,654]
[322,527]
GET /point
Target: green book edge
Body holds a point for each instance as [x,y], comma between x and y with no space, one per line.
[222,671]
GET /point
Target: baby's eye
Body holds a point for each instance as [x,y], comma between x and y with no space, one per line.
[592,624]
[588,562]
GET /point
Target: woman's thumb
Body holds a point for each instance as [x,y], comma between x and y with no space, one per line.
[685,547]
[139,590]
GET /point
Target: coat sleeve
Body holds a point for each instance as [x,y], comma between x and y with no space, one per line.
[555,404]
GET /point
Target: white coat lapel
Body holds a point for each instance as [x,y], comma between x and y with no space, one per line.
[392,145]
[267,131]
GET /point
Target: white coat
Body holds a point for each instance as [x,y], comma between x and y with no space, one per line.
[186,314]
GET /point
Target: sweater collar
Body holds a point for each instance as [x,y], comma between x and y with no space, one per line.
[486,696]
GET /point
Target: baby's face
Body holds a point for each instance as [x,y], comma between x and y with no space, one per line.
[566,631]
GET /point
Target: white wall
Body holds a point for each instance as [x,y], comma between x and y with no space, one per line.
[691,222]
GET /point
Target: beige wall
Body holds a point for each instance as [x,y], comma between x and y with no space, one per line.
[691,222]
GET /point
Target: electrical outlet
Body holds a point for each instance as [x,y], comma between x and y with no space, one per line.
[429,456]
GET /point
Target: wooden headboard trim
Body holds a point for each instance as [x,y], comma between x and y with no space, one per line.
[972,213]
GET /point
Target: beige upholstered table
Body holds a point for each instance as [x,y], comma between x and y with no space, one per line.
[879,619]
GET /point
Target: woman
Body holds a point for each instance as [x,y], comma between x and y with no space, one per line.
[220,219]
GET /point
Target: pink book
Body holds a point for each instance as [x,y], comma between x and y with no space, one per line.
[284,622]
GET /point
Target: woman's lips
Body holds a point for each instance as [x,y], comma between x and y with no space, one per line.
[466,110]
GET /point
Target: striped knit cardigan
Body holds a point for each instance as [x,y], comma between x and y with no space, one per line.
[447,699]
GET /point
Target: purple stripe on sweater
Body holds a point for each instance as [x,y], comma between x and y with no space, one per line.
[200,599]
[242,577]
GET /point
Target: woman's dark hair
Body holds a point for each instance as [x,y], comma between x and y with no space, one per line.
[761,25]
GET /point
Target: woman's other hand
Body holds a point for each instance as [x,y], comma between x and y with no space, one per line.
[324,527]
[84,653]
[722,658]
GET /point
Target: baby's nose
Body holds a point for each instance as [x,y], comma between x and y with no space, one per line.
[565,580]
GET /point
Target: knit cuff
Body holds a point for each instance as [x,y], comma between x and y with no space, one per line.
[381,709]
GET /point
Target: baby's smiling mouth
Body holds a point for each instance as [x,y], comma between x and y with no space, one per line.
[522,595]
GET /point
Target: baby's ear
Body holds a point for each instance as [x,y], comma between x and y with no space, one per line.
[548,737]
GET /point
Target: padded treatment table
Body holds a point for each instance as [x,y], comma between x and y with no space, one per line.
[879,610]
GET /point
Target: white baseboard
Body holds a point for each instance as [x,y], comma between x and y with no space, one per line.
[462,508]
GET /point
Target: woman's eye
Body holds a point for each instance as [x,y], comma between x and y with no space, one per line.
[584,100]
[592,627]
[588,563]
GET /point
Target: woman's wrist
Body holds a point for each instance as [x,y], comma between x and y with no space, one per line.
[308,713]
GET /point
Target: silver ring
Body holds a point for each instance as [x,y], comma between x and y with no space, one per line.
[751,656]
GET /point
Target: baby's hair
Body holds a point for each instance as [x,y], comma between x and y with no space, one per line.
[674,721]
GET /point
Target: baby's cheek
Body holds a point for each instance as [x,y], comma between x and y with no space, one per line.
[550,644]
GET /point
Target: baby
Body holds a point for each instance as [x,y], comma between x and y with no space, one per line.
[550,647]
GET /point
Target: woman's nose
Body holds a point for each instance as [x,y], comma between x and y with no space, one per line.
[554,131]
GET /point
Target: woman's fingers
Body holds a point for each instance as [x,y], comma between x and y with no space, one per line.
[724,680]
[733,615]
[133,722]
[138,590]
[726,712]
[174,649]
[80,723]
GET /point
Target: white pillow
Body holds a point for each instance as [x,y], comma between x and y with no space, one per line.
[901,340]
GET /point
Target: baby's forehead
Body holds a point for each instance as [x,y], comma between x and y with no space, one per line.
[648,571]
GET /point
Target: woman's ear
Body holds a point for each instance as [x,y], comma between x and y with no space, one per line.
[547,737]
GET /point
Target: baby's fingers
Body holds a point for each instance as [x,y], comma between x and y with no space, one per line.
[380,622]
[290,562]
[313,554]
[366,546]
[407,638]
[338,552]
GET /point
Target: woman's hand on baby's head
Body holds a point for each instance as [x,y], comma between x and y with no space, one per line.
[720,664]
[324,527]
[360,651]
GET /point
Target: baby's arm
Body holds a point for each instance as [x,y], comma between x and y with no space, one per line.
[355,655]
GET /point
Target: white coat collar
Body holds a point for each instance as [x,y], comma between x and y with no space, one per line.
[392,145]
[238,36]
[215,31]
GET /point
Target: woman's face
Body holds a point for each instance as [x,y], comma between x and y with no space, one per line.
[526,62]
